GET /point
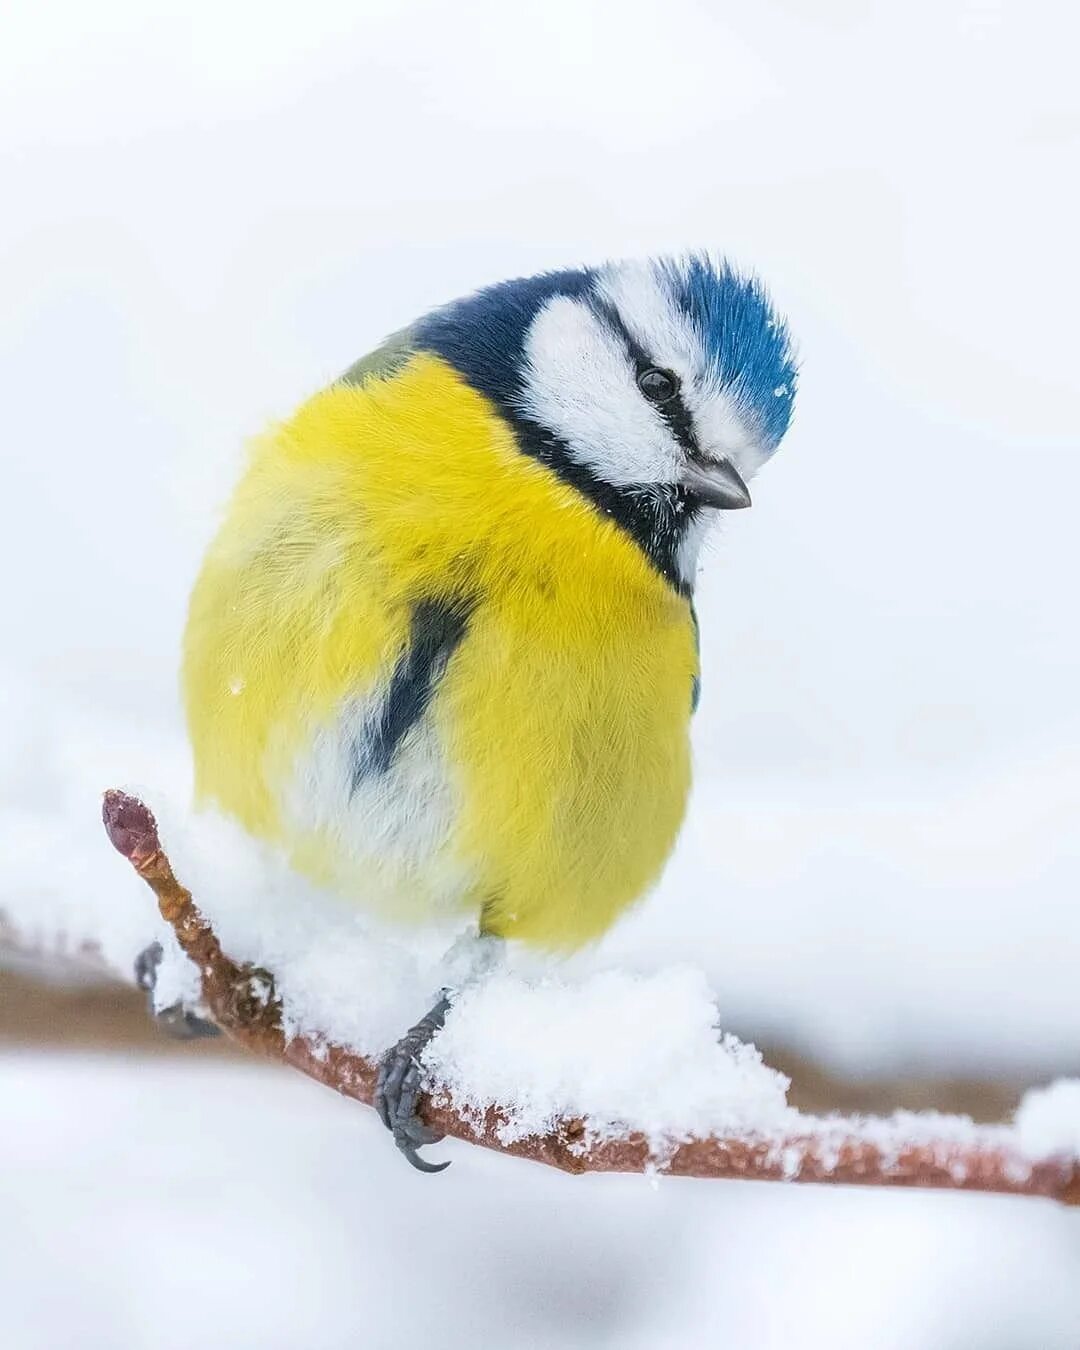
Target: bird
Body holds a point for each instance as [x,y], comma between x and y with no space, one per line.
[443,650]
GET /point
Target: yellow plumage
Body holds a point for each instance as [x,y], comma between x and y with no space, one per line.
[546,788]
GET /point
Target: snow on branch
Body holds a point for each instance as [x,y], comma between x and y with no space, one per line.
[1040,1156]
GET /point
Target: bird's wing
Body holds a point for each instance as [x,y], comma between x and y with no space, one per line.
[386,360]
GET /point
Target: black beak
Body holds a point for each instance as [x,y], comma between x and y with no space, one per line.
[716,483]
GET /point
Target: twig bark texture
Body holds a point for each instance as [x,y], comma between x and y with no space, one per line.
[243,1003]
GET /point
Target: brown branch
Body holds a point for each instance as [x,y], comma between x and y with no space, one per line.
[242,1001]
[53,955]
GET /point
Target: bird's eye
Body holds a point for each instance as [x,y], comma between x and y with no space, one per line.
[658,386]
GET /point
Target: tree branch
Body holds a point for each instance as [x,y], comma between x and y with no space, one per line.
[242,1001]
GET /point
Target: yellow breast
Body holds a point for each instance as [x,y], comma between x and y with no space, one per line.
[546,781]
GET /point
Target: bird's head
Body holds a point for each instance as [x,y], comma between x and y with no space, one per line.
[656,388]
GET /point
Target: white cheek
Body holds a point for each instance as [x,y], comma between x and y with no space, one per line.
[723,433]
[579,383]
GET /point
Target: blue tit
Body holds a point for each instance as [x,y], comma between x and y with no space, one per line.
[443,650]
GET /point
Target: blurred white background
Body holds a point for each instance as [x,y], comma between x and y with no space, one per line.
[212,210]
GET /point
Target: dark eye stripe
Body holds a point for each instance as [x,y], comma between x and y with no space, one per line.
[672,410]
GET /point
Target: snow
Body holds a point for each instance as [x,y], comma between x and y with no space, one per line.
[1048,1120]
[542,1040]
[56,879]
[622,1051]
[177,980]
[338,973]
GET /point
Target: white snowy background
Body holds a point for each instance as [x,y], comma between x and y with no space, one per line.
[211,210]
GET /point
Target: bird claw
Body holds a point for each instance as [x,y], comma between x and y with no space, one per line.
[146,968]
[397,1089]
[176,1020]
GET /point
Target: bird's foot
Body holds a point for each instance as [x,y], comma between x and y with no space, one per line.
[398,1089]
[176,1020]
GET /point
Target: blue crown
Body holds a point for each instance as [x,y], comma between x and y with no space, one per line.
[746,340]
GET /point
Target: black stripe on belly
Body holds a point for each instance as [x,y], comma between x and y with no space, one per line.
[436,631]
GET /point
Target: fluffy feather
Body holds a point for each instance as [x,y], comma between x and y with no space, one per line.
[442,649]
[545,783]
